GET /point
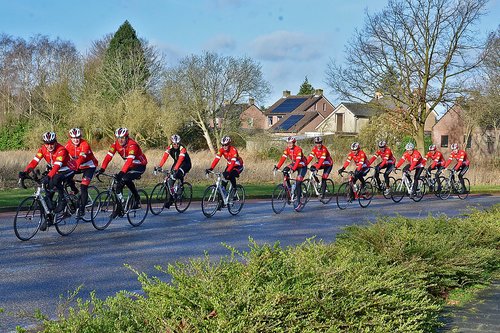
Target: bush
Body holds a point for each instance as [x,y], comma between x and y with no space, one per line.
[12,135]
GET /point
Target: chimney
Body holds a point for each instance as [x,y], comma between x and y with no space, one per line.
[251,101]
[318,92]
[286,93]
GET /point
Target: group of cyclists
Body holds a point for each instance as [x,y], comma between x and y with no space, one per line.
[76,157]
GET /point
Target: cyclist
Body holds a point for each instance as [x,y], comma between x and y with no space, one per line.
[387,163]
[182,162]
[462,165]
[58,161]
[416,162]
[85,163]
[362,165]
[298,163]
[437,163]
[134,167]
[234,165]
[324,162]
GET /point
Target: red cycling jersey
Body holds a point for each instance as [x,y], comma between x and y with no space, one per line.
[131,153]
[81,154]
[323,156]
[461,157]
[58,159]
[295,154]
[436,157]
[182,154]
[232,157]
[415,159]
[387,157]
[359,157]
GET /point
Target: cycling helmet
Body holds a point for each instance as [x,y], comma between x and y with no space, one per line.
[75,133]
[291,139]
[49,137]
[318,139]
[175,139]
[454,146]
[382,144]
[121,132]
[409,146]
[432,147]
[355,146]
[225,140]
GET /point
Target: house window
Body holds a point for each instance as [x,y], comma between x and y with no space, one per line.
[340,122]
[250,122]
[270,120]
[279,118]
[444,140]
[324,106]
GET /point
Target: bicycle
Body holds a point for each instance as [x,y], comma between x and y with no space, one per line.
[450,185]
[383,187]
[181,192]
[350,191]
[93,192]
[284,194]
[107,206]
[216,197]
[404,185]
[35,212]
[430,183]
[313,187]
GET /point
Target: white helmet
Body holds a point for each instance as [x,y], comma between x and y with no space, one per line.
[225,140]
[432,147]
[175,139]
[49,137]
[318,139]
[382,144]
[355,146]
[291,139]
[409,146]
[454,146]
[121,132]
[75,133]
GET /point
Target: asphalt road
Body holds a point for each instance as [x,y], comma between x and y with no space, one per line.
[35,273]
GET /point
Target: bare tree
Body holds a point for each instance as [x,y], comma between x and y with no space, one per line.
[204,87]
[414,52]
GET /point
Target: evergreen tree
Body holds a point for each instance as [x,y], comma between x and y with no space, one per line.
[306,88]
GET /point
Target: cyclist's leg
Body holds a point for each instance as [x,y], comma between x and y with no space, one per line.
[418,172]
[439,170]
[71,182]
[376,175]
[84,189]
[388,170]
[326,172]
[128,180]
[463,169]
[359,175]
[301,173]
[58,182]
[287,170]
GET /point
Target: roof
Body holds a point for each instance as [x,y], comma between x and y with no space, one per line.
[361,109]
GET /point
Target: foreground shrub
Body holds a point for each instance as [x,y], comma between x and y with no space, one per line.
[386,277]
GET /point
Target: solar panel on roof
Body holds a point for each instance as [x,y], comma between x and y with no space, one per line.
[289,122]
[288,105]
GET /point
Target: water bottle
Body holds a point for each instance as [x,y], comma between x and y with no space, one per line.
[120,197]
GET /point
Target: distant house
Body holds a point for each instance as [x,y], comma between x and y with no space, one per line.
[298,114]
[347,119]
[253,117]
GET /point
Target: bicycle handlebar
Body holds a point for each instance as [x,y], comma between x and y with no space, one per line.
[33,175]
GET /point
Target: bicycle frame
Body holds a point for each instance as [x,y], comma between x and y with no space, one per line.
[172,188]
[220,188]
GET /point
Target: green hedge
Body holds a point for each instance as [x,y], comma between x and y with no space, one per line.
[390,276]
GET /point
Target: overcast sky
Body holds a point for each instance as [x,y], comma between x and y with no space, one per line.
[291,39]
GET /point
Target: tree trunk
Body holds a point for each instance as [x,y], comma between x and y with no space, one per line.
[419,137]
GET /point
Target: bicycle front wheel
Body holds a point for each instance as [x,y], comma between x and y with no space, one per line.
[398,190]
[445,189]
[387,194]
[344,195]
[66,221]
[102,210]
[366,195]
[184,197]
[211,201]
[137,211]
[299,204]
[309,189]
[421,189]
[327,196]
[28,218]
[279,198]
[236,200]
[93,192]
[158,198]
[463,192]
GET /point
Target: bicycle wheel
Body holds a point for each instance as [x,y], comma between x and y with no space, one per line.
[366,195]
[236,199]
[344,195]
[309,192]
[93,192]
[102,210]
[184,197]
[28,218]
[372,181]
[398,190]
[438,186]
[211,201]
[298,205]
[463,193]
[387,194]
[279,198]
[327,196]
[157,198]
[137,211]
[66,220]
[421,189]
[445,189]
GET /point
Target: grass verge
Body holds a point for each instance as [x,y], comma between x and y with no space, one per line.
[390,276]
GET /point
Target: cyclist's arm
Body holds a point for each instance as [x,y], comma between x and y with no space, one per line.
[34,162]
[164,158]
[108,157]
[182,155]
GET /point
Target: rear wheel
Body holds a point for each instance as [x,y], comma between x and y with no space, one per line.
[211,201]
[158,198]
[279,199]
[327,196]
[420,192]
[93,192]
[463,193]
[236,200]
[445,189]
[366,195]
[184,197]
[398,190]
[387,194]
[137,211]
[344,195]
[309,189]
[28,218]
[66,221]
[102,210]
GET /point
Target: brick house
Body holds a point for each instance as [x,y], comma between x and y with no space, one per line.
[253,117]
[347,119]
[298,114]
